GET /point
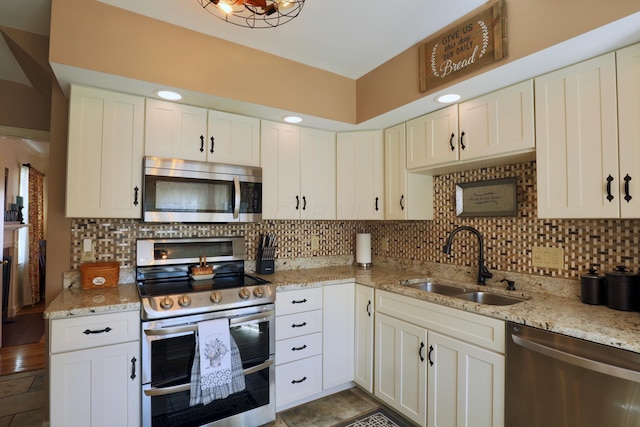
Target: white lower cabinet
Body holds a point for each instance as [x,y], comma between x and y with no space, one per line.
[438,366]
[363,341]
[400,368]
[338,334]
[94,370]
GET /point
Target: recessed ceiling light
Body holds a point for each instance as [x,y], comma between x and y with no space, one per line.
[292,119]
[448,98]
[168,94]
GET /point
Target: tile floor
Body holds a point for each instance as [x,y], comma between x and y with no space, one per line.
[22,404]
[22,399]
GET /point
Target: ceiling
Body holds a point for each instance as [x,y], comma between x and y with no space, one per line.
[351,43]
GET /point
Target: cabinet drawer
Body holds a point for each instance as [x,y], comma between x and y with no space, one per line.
[75,333]
[299,300]
[472,328]
[298,380]
[297,348]
[298,324]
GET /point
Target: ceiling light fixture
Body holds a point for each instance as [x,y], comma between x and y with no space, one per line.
[292,119]
[254,13]
[168,94]
[448,98]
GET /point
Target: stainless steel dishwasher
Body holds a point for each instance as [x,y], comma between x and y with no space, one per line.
[555,380]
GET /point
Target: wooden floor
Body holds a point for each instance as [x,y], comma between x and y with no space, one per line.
[23,358]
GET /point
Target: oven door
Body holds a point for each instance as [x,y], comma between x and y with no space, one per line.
[168,349]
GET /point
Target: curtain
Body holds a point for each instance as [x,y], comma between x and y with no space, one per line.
[36,229]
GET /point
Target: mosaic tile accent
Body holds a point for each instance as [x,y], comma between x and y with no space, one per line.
[508,240]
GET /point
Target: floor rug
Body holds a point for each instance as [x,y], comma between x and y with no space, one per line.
[376,418]
[23,329]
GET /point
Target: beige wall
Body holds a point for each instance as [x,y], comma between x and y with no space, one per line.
[531,26]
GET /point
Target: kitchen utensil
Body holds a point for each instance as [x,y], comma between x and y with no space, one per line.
[622,289]
[593,288]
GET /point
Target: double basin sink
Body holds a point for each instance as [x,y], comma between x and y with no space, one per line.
[480,297]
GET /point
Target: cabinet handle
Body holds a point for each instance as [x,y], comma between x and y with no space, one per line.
[299,381]
[212,144]
[462,140]
[299,348]
[402,202]
[304,203]
[133,368]
[609,180]
[201,143]
[369,308]
[377,203]
[451,141]
[297,202]
[429,355]
[299,325]
[300,301]
[135,195]
[627,196]
[420,352]
[101,331]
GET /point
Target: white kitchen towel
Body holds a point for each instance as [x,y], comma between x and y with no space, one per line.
[217,366]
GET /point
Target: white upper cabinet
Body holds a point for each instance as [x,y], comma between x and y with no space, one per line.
[233,139]
[360,175]
[628,69]
[105,147]
[406,195]
[298,172]
[493,126]
[175,131]
[577,149]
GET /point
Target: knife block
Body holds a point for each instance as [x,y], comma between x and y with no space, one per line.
[265,261]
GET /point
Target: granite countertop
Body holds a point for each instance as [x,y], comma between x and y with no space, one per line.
[81,302]
[564,315]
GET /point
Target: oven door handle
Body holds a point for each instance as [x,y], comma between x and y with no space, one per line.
[194,327]
[163,391]
[236,201]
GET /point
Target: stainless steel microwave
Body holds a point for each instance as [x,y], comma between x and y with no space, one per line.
[188,191]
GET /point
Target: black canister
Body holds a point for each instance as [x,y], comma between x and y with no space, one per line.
[593,288]
[622,289]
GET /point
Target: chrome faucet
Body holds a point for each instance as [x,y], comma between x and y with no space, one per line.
[483,273]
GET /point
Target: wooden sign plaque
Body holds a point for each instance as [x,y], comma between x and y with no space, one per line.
[464,46]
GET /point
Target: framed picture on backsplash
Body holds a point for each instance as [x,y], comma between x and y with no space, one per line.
[496,197]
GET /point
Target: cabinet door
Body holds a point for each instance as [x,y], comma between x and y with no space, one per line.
[360,175]
[363,371]
[317,174]
[466,384]
[395,173]
[400,367]
[280,153]
[338,334]
[628,68]
[175,131]
[433,138]
[104,167]
[95,387]
[233,139]
[498,123]
[577,141]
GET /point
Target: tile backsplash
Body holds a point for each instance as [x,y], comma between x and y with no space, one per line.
[508,241]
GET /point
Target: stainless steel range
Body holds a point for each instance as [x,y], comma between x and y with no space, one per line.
[183,282]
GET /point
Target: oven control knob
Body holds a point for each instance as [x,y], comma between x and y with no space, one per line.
[184,301]
[258,292]
[166,303]
[215,297]
[244,293]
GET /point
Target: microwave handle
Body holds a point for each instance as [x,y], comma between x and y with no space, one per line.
[236,201]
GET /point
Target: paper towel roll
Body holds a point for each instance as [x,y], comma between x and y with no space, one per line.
[363,248]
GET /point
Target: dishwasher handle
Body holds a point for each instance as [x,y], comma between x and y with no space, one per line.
[579,361]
